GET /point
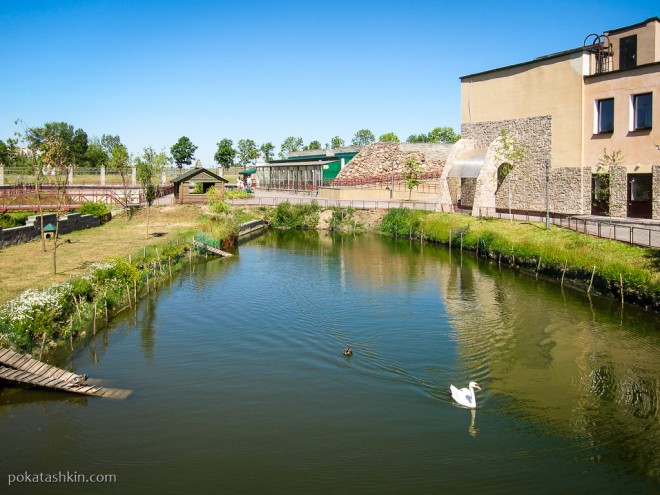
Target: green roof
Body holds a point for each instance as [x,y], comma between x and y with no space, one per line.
[248,171]
[50,228]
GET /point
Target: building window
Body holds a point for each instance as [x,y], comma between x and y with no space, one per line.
[628,52]
[604,121]
[642,111]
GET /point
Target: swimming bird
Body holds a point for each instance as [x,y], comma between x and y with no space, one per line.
[348,352]
[465,396]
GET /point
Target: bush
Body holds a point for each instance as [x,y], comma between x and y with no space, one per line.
[402,221]
[220,207]
[237,194]
[302,216]
[9,220]
[98,208]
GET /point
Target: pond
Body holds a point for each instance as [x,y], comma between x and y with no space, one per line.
[240,384]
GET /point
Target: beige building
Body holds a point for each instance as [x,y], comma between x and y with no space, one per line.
[589,120]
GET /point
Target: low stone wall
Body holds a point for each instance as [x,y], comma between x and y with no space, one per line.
[380,159]
[32,228]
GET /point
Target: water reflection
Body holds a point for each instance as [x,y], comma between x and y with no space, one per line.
[240,381]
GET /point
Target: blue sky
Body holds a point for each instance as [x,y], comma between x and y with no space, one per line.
[153,71]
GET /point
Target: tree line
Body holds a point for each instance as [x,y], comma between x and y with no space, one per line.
[107,151]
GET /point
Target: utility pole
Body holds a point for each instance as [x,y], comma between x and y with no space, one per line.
[547,195]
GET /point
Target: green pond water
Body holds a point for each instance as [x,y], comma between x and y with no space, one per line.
[240,384]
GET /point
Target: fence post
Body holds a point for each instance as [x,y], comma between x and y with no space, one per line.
[632,229]
[102,171]
[2,175]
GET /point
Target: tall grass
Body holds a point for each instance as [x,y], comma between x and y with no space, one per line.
[300,216]
[555,252]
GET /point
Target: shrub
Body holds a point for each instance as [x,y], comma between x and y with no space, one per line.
[98,208]
[302,216]
[237,194]
[402,221]
[220,207]
[9,220]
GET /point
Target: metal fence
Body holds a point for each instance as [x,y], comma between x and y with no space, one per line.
[358,204]
[630,231]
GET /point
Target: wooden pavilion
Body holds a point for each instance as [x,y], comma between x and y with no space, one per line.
[191,186]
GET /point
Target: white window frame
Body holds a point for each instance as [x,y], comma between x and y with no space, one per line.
[633,113]
[597,102]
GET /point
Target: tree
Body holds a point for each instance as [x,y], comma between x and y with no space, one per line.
[79,145]
[120,161]
[290,145]
[109,142]
[59,152]
[95,157]
[267,150]
[314,145]
[390,137]
[225,154]
[443,135]
[363,137]
[183,152]
[247,151]
[147,168]
[411,173]
[337,142]
[418,138]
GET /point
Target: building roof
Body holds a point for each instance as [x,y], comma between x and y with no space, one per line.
[529,62]
[633,26]
[206,176]
[297,163]
[562,53]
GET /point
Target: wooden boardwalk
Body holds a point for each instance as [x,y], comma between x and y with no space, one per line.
[22,368]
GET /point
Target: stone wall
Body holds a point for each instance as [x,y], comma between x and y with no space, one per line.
[656,191]
[379,159]
[618,192]
[32,228]
[468,189]
[569,187]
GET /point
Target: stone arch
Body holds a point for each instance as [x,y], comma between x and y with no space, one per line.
[445,200]
[487,183]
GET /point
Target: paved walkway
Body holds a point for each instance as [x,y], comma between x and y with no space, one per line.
[642,232]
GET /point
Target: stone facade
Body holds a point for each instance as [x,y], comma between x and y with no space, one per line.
[618,192]
[525,186]
[468,190]
[379,159]
[32,228]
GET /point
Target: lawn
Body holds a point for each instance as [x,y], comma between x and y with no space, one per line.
[26,266]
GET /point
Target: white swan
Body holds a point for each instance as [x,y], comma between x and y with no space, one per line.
[465,396]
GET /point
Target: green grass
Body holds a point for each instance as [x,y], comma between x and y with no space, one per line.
[553,252]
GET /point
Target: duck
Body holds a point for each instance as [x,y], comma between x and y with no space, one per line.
[79,379]
[465,396]
[348,352]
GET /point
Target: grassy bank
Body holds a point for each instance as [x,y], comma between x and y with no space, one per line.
[101,271]
[607,267]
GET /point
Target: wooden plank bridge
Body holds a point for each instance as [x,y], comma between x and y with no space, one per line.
[22,368]
[217,251]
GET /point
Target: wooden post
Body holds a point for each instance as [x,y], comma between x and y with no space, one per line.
[592,280]
[95,303]
[450,240]
[621,279]
[563,272]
